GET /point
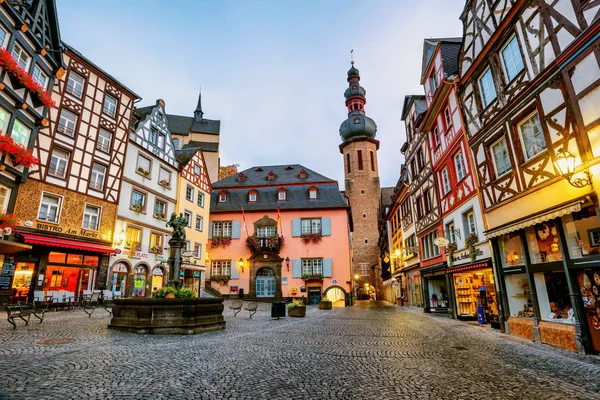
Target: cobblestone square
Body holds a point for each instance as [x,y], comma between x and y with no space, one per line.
[370,351]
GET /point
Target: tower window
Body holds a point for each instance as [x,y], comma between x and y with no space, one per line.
[364,215]
[372,162]
[360,161]
[348,169]
[366,241]
[362,191]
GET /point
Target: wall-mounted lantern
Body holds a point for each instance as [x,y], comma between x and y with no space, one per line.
[565,164]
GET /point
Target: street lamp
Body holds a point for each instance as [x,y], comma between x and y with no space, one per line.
[287,263]
[120,238]
[565,164]
[241,262]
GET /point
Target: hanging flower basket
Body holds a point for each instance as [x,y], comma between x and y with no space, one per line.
[19,155]
[470,243]
[21,78]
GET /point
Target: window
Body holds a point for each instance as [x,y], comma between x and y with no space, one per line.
[143,165]
[311,266]
[221,267]
[363,269]
[39,76]
[420,158]
[311,225]
[360,160]
[133,237]
[372,161]
[266,231]
[459,163]
[511,59]
[470,225]
[164,177]
[161,141]
[199,223]
[197,250]
[501,157]
[75,85]
[312,194]
[252,196]
[176,143]
[21,56]
[160,209]
[98,174]
[156,243]
[138,200]
[189,193]
[188,245]
[187,215]
[58,163]
[281,195]
[4,198]
[427,199]
[487,88]
[447,118]
[110,106]
[413,169]
[222,198]
[4,120]
[3,36]
[49,208]
[430,250]
[200,199]
[435,134]
[154,135]
[197,170]
[446,181]
[532,136]
[419,206]
[348,168]
[104,141]
[91,218]
[222,229]
[67,122]
[450,232]
[20,133]
[433,83]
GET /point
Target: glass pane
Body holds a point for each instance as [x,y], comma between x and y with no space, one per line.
[582,231]
[512,250]
[20,133]
[57,257]
[543,242]
[532,136]
[513,62]
[91,261]
[553,296]
[74,259]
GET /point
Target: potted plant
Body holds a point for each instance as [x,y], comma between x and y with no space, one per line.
[170,292]
[325,303]
[470,243]
[143,171]
[296,309]
[137,207]
[184,293]
[450,249]
[164,183]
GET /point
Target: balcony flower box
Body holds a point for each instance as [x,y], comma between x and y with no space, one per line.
[312,277]
[164,183]
[311,237]
[19,155]
[222,279]
[220,241]
[144,172]
[21,78]
[257,244]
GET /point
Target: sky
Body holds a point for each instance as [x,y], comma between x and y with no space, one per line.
[273,71]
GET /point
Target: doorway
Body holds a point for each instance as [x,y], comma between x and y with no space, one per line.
[314,296]
[265,283]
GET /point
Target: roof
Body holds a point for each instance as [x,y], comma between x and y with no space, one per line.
[184,156]
[284,175]
[450,48]
[103,72]
[387,195]
[420,104]
[296,199]
[212,147]
[144,111]
[180,125]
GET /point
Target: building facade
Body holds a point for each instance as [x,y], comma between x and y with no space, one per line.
[148,197]
[529,88]
[362,188]
[280,232]
[68,206]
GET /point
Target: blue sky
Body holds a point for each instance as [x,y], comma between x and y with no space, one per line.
[273,72]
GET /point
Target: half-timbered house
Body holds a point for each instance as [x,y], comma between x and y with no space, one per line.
[530,85]
[68,206]
[468,252]
[148,198]
[31,59]
[193,201]
[427,219]
[199,132]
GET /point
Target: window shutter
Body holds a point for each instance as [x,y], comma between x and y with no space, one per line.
[210,229]
[327,268]
[296,227]
[325,226]
[297,268]
[235,273]
[235,229]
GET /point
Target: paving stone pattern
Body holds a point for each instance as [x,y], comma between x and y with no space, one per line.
[370,351]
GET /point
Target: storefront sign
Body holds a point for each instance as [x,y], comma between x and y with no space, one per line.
[128,253]
[478,265]
[303,289]
[441,241]
[465,254]
[74,232]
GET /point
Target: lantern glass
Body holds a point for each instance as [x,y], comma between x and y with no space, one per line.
[565,163]
[397,252]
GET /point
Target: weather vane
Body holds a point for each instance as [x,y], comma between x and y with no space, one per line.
[352,56]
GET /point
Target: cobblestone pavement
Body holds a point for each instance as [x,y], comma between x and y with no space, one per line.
[370,351]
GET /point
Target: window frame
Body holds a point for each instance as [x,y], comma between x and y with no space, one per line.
[462,164]
[520,55]
[138,166]
[491,149]
[481,87]
[219,267]
[18,57]
[154,213]
[526,157]
[94,185]
[98,216]
[41,72]
[188,220]
[200,201]
[71,89]
[105,148]
[189,193]
[144,201]
[24,125]
[199,227]
[446,186]
[218,232]
[66,161]
[314,263]
[107,110]
[451,232]
[58,207]
[311,224]
[63,128]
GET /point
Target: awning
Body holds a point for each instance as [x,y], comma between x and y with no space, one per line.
[536,219]
[10,247]
[67,243]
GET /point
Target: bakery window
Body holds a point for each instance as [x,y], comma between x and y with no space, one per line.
[511,249]
[582,231]
[543,243]
[553,296]
[518,295]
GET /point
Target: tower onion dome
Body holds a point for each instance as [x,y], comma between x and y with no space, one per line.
[357,124]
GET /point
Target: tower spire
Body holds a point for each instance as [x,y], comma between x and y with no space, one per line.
[198,114]
[357,124]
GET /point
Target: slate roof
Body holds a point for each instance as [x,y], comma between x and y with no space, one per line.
[450,48]
[420,104]
[285,175]
[205,146]
[181,125]
[184,156]
[329,195]
[387,195]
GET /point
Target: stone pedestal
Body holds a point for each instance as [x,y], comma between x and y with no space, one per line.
[175,262]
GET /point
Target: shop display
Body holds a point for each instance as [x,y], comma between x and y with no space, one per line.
[543,243]
[512,249]
[589,284]
[475,289]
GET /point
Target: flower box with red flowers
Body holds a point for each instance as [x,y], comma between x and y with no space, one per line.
[20,77]
[8,221]
[311,237]
[220,241]
[19,155]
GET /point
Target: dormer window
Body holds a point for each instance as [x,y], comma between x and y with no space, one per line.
[302,174]
[433,81]
[252,196]
[241,177]
[271,176]
[281,194]
[313,193]
[222,197]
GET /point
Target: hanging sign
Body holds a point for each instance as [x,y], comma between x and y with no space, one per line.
[441,241]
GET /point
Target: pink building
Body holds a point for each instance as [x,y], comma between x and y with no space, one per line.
[280,232]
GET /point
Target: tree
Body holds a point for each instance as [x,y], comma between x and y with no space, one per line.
[228,170]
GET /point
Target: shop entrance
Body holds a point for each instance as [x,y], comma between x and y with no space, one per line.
[21,284]
[589,286]
[139,281]
[157,278]
[119,279]
[265,283]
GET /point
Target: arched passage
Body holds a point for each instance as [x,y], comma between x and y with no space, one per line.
[337,295]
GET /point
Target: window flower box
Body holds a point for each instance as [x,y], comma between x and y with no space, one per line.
[220,241]
[24,79]
[134,246]
[257,244]
[159,215]
[222,279]
[311,237]
[137,207]
[143,172]
[19,155]
[164,183]
[156,250]
[312,277]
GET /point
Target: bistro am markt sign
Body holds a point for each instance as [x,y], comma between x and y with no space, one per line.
[70,231]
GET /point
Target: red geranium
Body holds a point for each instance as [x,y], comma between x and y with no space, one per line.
[19,155]
[8,63]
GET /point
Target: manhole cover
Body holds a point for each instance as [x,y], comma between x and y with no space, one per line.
[56,341]
[459,348]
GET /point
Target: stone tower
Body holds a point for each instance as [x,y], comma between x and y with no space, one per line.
[359,148]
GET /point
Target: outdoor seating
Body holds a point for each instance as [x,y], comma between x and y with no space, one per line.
[236,306]
[24,311]
[89,304]
[251,307]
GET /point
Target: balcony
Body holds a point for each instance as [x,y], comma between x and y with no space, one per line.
[269,244]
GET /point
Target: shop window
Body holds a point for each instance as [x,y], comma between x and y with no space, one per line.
[473,289]
[57,257]
[542,240]
[582,231]
[553,297]
[512,250]
[139,282]
[76,259]
[518,295]
[56,279]
[91,261]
